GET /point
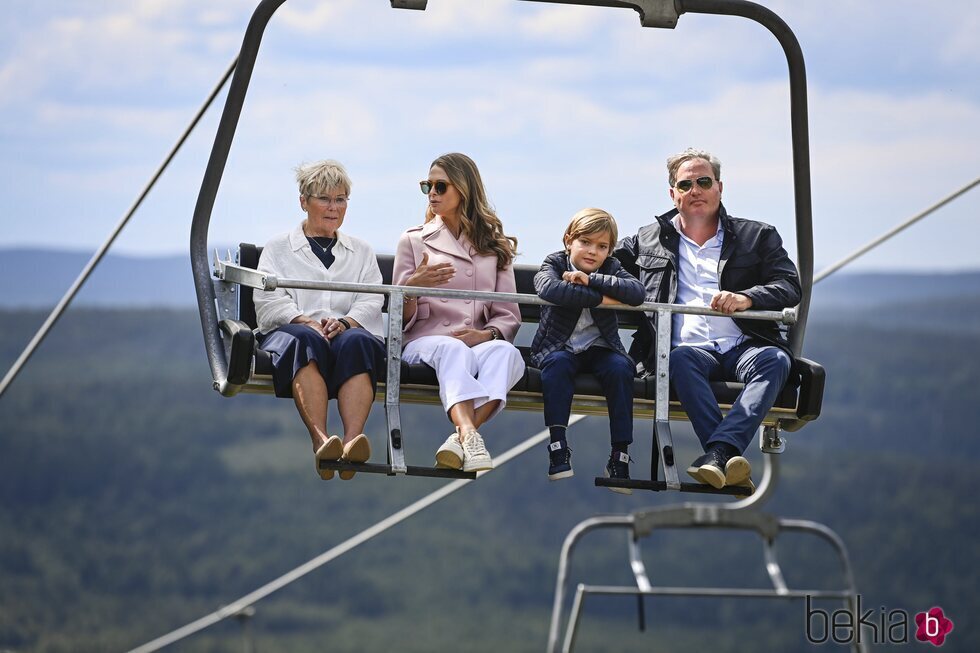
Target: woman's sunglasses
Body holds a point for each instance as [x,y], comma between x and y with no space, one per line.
[440,186]
[684,185]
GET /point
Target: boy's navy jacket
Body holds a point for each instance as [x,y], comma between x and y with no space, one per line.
[558,322]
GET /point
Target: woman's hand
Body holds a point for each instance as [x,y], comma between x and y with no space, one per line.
[428,276]
[473,337]
[576,276]
[310,322]
[331,327]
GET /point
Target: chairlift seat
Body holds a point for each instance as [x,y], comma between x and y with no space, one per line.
[798,402]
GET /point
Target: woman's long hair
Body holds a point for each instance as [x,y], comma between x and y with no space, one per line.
[477,218]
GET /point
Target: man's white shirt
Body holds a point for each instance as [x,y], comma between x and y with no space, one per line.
[697,283]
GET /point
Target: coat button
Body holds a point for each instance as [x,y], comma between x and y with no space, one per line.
[443,300]
[469,273]
[466,301]
[468,321]
[445,323]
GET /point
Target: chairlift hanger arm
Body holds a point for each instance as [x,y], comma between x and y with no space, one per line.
[653,13]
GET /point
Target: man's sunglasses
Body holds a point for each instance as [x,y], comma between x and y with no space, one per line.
[684,185]
[440,186]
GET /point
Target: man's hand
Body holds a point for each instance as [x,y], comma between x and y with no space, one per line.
[577,276]
[609,301]
[730,302]
[473,337]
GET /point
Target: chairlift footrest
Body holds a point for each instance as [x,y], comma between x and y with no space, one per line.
[661,486]
[411,470]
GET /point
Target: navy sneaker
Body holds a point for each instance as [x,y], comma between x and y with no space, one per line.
[709,468]
[619,467]
[561,461]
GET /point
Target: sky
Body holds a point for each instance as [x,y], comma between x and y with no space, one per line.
[562,107]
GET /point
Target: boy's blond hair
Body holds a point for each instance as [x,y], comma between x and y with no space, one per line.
[591,221]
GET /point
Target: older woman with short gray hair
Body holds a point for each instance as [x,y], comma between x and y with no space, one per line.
[324,344]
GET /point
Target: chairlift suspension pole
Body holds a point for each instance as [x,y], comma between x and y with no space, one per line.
[62,305]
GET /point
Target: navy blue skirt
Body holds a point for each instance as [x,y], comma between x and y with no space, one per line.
[293,346]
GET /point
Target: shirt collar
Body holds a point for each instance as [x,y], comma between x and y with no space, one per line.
[297,239]
[719,233]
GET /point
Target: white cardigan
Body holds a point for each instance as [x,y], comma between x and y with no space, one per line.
[289,256]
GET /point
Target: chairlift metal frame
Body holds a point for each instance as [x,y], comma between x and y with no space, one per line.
[642,523]
[741,514]
[653,13]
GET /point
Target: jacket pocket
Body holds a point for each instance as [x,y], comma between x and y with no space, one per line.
[650,262]
[653,272]
[422,311]
[741,272]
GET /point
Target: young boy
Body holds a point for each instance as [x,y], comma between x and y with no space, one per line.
[572,338]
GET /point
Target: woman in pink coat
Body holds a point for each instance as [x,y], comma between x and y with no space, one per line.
[468,342]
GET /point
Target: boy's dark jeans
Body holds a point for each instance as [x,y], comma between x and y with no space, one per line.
[615,374]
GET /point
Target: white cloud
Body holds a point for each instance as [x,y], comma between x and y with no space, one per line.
[561,106]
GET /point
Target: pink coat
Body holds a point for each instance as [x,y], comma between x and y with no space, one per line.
[435,316]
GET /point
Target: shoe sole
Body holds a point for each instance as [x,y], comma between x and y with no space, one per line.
[737,470]
[357,450]
[695,473]
[747,483]
[332,449]
[618,490]
[446,459]
[712,476]
[478,466]
[560,475]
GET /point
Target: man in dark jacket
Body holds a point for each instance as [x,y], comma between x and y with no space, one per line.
[698,255]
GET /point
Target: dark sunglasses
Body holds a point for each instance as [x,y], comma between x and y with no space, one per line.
[684,185]
[440,186]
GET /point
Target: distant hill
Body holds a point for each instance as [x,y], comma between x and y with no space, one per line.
[877,288]
[35,278]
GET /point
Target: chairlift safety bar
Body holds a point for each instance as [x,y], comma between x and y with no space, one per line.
[233,273]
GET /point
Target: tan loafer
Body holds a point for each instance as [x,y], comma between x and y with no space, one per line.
[358,450]
[332,449]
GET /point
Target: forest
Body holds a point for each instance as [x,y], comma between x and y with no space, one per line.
[134,499]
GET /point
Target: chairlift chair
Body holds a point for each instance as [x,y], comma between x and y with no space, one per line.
[238,365]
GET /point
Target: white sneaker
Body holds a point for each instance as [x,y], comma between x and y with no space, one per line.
[476,457]
[450,454]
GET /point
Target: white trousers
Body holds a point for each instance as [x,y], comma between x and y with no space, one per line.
[482,373]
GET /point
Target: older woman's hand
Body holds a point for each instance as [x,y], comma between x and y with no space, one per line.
[319,327]
[331,327]
[427,276]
